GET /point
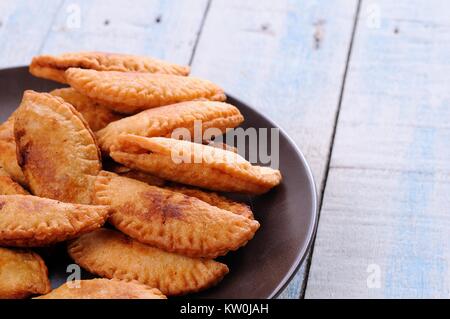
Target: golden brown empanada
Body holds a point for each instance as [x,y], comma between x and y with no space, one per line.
[52,67]
[8,186]
[96,115]
[171,221]
[56,149]
[128,92]
[136,174]
[211,198]
[101,288]
[220,145]
[8,158]
[162,121]
[30,221]
[214,199]
[22,274]
[194,164]
[111,254]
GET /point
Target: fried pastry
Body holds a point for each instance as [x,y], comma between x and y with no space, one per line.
[8,158]
[111,254]
[211,198]
[56,149]
[220,145]
[137,175]
[30,221]
[162,121]
[171,221]
[22,274]
[214,199]
[8,186]
[128,92]
[194,164]
[96,115]
[52,67]
[104,289]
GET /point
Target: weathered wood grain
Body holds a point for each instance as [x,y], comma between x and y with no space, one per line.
[287,59]
[383,234]
[163,29]
[23,27]
[385,221]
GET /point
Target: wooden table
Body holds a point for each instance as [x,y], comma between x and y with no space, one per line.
[363,87]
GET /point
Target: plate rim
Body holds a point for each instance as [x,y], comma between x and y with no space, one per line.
[312,230]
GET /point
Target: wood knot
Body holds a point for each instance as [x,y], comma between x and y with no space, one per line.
[318,33]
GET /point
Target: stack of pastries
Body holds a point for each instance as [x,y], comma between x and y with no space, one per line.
[101,152]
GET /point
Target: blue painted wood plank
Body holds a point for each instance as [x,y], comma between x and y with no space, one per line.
[385,222]
[287,59]
[163,29]
[24,25]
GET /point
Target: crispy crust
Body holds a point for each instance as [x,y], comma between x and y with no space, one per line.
[104,289]
[162,121]
[29,221]
[22,274]
[128,92]
[112,255]
[220,145]
[137,175]
[49,73]
[171,221]
[8,159]
[8,186]
[194,164]
[52,67]
[211,198]
[96,115]
[215,199]
[56,149]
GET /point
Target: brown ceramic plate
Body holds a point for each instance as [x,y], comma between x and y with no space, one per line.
[288,214]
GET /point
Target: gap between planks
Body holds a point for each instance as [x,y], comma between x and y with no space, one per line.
[277,32]
[199,33]
[327,169]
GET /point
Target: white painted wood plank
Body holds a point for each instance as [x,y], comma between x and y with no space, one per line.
[389,228]
[163,29]
[385,205]
[285,58]
[394,146]
[23,27]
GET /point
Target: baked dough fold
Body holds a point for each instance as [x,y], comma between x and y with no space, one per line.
[131,92]
[8,186]
[22,274]
[8,158]
[111,254]
[55,149]
[164,120]
[171,221]
[96,115]
[30,221]
[52,67]
[101,288]
[194,164]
